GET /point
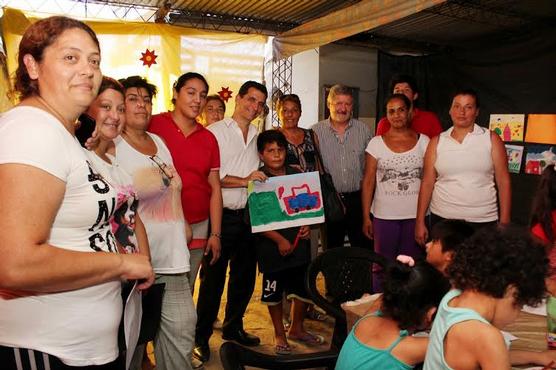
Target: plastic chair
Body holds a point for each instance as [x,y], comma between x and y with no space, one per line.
[236,357]
[347,274]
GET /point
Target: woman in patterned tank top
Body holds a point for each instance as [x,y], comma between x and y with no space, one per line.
[302,147]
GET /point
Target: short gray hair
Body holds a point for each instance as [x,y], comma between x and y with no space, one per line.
[338,90]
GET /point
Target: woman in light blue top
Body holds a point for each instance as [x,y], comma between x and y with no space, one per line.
[381,340]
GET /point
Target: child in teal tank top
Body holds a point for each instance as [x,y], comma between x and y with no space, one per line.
[495,272]
[381,340]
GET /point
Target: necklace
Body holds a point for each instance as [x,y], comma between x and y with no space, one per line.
[54,112]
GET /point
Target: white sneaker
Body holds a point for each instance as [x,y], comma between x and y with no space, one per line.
[196,363]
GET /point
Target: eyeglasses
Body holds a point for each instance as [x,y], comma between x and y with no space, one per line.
[163,167]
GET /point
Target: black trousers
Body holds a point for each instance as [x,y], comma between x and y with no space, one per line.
[27,359]
[352,224]
[475,225]
[238,250]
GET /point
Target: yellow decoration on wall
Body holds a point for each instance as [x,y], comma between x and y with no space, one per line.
[224,58]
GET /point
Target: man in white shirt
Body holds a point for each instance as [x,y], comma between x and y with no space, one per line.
[237,141]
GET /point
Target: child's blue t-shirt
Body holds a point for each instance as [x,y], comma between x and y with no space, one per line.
[357,355]
[446,318]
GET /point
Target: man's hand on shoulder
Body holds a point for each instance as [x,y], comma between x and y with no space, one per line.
[256,176]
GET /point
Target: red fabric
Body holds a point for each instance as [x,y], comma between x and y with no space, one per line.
[197,244]
[538,231]
[423,122]
[194,157]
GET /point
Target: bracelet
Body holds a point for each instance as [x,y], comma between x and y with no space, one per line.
[216,234]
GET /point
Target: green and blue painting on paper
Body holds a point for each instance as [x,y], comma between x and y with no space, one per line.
[285,201]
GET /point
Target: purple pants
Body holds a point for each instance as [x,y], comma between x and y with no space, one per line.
[392,238]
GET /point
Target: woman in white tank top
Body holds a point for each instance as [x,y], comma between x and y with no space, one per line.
[464,166]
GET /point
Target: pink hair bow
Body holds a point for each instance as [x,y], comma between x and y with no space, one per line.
[406,260]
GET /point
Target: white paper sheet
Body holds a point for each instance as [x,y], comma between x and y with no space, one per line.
[508,337]
[539,310]
[133,312]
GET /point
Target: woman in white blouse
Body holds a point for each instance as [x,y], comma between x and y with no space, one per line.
[393,167]
[465,166]
[158,185]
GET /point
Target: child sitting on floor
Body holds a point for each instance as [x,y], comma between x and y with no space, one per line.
[495,272]
[283,256]
[382,340]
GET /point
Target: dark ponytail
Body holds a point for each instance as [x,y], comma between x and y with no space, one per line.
[409,293]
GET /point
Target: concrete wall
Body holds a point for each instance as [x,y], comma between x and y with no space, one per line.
[351,66]
[314,69]
[305,83]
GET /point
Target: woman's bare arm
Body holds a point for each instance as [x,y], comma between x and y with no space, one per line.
[502,178]
[215,210]
[367,190]
[425,192]
[28,262]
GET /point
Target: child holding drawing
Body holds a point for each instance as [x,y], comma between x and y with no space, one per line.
[283,255]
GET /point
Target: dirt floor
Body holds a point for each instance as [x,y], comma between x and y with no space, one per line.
[257,322]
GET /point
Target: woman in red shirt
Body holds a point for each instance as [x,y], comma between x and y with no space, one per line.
[195,153]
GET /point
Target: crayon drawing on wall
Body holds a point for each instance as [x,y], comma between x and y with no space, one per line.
[514,154]
[508,126]
[541,128]
[538,157]
[285,201]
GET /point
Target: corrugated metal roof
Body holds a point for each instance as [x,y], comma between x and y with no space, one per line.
[266,16]
[294,11]
[450,24]
[458,22]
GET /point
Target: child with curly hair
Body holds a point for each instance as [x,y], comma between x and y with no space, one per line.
[492,282]
[382,340]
